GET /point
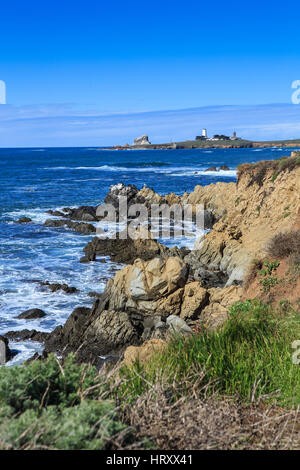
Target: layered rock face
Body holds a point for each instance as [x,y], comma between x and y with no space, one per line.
[246,215]
[145,300]
[256,209]
[146,287]
[127,250]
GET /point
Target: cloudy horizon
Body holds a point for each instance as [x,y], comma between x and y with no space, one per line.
[67,125]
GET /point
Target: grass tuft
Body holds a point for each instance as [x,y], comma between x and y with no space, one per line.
[249,357]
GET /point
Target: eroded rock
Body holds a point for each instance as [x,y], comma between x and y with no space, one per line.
[143,140]
[127,250]
[146,287]
[142,353]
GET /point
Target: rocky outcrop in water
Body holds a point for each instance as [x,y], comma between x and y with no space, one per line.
[127,250]
[56,286]
[32,314]
[78,227]
[143,140]
[25,335]
[24,220]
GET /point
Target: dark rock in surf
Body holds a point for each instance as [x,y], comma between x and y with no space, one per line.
[24,220]
[54,287]
[32,314]
[25,335]
[78,227]
[126,251]
[211,168]
[224,168]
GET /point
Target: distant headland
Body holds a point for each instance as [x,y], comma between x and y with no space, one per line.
[203,141]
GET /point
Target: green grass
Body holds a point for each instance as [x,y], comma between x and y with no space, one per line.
[250,357]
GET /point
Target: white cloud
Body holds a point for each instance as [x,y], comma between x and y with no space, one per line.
[67,125]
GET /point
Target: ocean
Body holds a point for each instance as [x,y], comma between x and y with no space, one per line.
[35,180]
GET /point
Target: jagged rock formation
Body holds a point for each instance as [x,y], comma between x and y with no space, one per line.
[129,249]
[162,289]
[79,227]
[143,140]
[261,204]
[144,300]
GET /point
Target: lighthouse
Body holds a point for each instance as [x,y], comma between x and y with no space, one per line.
[204,133]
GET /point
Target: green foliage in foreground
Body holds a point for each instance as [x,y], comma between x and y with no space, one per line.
[249,357]
[85,426]
[49,405]
[44,383]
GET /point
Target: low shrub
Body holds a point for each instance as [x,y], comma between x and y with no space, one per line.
[257,172]
[44,383]
[284,244]
[89,426]
[52,405]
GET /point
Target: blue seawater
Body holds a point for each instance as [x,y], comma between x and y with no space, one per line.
[35,180]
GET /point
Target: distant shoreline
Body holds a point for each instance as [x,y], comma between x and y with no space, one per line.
[200,144]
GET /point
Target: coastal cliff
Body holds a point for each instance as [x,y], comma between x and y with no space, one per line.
[163,290]
[182,340]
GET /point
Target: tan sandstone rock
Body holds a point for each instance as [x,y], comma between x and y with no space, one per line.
[254,213]
[143,352]
[220,299]
[195,298]
[144,285]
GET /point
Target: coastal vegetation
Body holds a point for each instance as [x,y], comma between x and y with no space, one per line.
[53,405]
[257,172]
[249,357]
[247,362]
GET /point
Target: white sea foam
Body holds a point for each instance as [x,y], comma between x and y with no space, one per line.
[228,173]
[25,350]
[37,215]
[171,171]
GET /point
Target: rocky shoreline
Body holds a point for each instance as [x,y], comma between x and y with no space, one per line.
[160,290]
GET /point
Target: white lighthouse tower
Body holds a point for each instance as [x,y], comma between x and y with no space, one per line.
[204,133]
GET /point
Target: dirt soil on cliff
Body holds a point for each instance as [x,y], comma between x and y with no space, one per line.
[213,424]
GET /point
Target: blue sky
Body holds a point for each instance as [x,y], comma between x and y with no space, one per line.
[63,60]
